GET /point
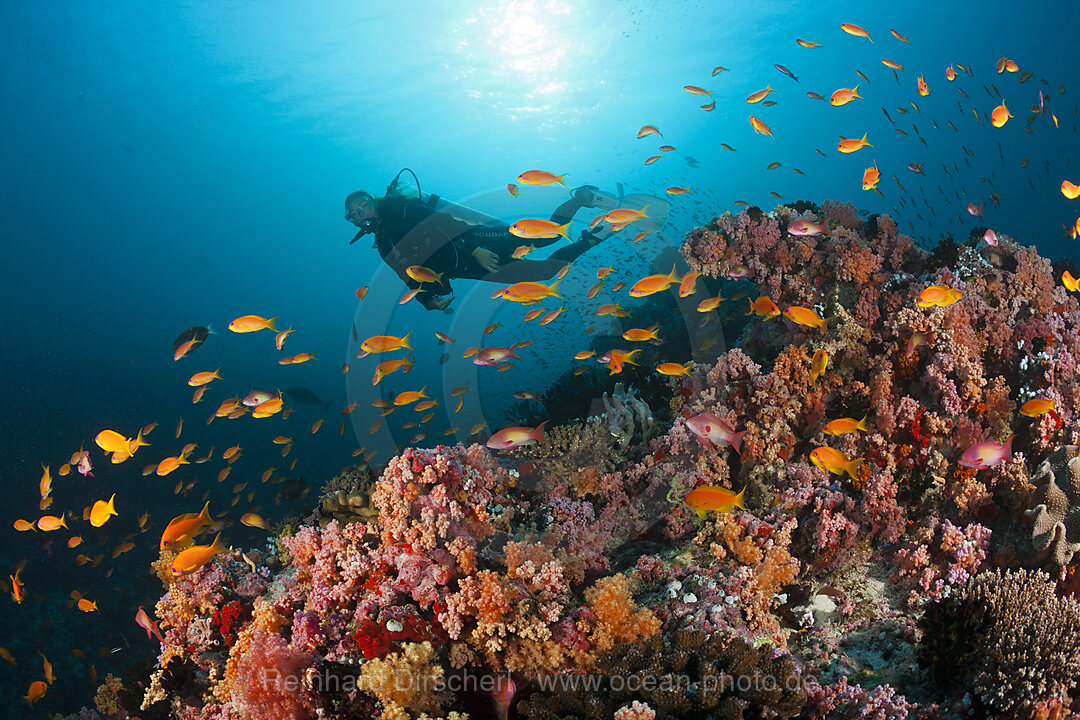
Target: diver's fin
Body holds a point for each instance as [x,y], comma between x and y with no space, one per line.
[657,210]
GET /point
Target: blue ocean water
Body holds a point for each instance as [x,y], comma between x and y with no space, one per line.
[181,164]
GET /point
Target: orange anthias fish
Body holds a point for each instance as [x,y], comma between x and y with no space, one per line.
[688,284]
[512,189]
[17,586]
[515,437]
[527,292]
[870,177]
[709,304]
[818,363]
[760,126]
[190,560]
[852,29]
[410,396]
[654,284]
[102,511]
[759,95]
[254,520]
[279,339]
[892,64]
[850,145]
[924,89]
[252,323]
[950,74]
[835,462]
[150,626]
[535,228]
[202,378]
[808,43]
[1036,407]
[385,343]
[844,95]
[48,523]
[843,426]
[35,692]
[672,368]
[1000,115]
[805,316]
[764,308]
[183,528]
[711,498]
[1070,190]
[641,334]
[540,177]
[938,295]
[647,130]
[87,606]
[1072,284]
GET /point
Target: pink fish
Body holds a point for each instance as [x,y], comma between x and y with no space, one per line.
[990,237]
[986,454]
[708,426]
[805,228]
[515,437]
[975,210]
[503,695]
[150,626]
[84,465]
[738,272]
[495,355]
[256,397]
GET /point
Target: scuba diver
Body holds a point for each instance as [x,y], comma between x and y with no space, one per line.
[461,243]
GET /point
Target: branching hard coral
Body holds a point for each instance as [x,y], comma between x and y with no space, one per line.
[1008,637]
[687,674]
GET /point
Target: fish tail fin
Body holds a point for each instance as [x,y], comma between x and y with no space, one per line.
[210,329]
[270,323]
[861,425]
[112,506]
[855,92]
[405,340]
[737,500]
[537,433]
[736,440]
[562,228]
[422,393]
[63,515]
[825,322]
[551,289]
[1007,447]
[204,514]
[559,178]
[853,467]
[217,546]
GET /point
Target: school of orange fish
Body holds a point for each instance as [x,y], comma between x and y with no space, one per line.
[182,531]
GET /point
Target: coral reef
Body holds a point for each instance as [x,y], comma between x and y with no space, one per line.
[833,591]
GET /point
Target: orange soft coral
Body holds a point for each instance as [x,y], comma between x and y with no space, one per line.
[618,618]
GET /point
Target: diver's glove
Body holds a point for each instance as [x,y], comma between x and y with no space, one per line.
[486,259]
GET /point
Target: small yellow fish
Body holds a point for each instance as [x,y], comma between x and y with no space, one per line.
[711,498]
[842,426]
[818,363]
[102,511]
[1036,407]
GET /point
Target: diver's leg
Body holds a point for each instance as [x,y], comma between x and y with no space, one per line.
[536,270]
[582,197]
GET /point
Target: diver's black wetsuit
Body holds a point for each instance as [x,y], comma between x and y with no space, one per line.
[410,232]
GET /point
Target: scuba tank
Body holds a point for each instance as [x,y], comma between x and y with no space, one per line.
[442,205]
